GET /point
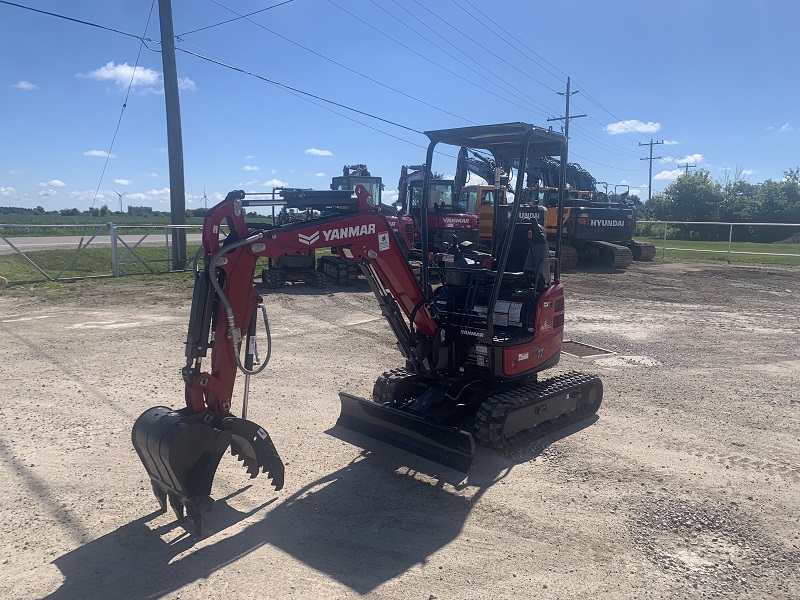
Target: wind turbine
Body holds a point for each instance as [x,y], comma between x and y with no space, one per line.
[120,198]
[205,198]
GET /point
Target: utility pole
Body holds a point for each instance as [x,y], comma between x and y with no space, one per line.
[687,168]
[177,189]
[562,180]
[651,159]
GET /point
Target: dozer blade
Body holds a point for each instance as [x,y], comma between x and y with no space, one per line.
[253,447]
[445,445]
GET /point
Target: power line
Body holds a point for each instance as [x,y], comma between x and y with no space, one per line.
[255,12]
[122,110]
[58,16]
[338,64]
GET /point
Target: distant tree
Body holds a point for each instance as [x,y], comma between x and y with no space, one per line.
[69,212]
[140,211]
[39,210]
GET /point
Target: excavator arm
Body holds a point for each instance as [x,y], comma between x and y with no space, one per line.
[181,449]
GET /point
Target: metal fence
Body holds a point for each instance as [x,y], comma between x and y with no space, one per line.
[729,251]
[125,242]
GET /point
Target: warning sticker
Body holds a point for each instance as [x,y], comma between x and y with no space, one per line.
[383,241]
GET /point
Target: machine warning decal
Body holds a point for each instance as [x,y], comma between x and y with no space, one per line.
[383,241]
[261,433]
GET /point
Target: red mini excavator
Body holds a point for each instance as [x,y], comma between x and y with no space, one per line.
[475,331]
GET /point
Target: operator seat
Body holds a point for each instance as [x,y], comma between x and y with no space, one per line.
[528,257]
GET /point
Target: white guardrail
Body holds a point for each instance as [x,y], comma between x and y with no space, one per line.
[124,245]
[730,226]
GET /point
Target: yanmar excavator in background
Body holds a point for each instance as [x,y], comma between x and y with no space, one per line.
[346,272]
[445,217]
[473,346]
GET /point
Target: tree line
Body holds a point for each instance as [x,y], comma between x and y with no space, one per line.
[697,196]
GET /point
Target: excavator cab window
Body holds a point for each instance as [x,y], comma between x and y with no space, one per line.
[469,199]
[372,184]
[441,196]
[488,197]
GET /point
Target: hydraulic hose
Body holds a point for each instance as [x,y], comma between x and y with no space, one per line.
[234,333]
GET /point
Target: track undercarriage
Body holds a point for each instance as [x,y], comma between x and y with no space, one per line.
[440,420]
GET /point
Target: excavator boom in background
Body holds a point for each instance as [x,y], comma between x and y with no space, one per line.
[475,331]
[594,229]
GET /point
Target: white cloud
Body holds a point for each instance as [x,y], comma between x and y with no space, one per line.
[153,195]
[250,157]
[101,153]
[747,172]
[25,85]
[669,175]
[317,152]
[251,168]
[275,183]
[47,193]
[632,126]
[688,159]
[671,142]
[320,174]
[8,192]
[14,172]
[52,183]
[273,171]
[123,181]
[785,128]
[769,128]
[124,75]
[390,196]
[150,174]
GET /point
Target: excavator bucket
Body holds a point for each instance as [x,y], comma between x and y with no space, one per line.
[445,445]
[181,453]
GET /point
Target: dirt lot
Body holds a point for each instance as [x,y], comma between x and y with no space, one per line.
[687,485]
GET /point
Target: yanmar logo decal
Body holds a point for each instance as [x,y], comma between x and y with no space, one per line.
[607,223]
[452,221]
[308,239]
[336,234]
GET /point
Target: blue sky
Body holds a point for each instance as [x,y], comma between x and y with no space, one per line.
[716,80]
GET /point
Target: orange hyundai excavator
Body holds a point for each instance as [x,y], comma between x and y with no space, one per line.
[475,332]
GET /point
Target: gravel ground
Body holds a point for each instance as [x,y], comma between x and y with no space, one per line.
[686,485]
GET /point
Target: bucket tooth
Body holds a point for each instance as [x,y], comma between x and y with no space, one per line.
[160,494]
[252,446]
[177,507]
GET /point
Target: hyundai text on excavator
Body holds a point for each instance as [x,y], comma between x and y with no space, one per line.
[594,229]
[475,332]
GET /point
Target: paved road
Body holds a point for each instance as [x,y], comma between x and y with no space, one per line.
[26,244]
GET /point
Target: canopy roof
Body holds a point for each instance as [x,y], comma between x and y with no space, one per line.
[503,140]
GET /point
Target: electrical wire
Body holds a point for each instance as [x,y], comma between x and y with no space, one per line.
[338,64]
[124,106]
[255,12]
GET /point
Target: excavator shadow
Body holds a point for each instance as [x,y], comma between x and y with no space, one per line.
[361,526]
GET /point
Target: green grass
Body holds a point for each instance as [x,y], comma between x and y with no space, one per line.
[84,224]
[698,251]
[93,262]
